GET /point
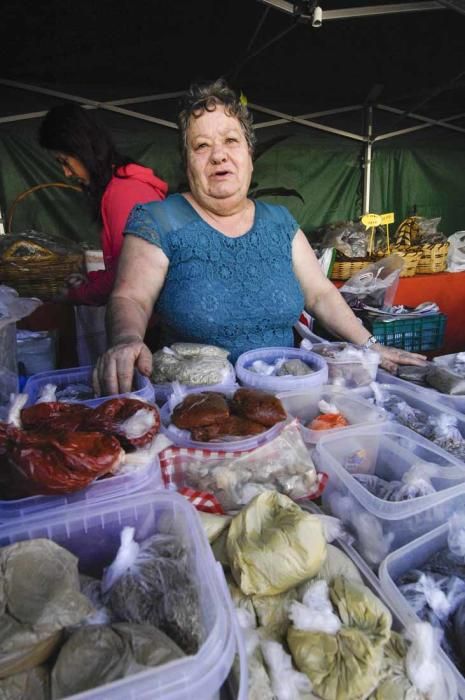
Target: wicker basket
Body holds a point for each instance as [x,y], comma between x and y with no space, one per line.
[28,265]
[433,258]
[35,271]
[344,269]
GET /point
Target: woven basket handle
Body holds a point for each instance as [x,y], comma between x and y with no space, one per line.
[24,194]
[34,250]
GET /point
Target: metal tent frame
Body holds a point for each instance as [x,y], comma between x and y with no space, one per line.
[303,10]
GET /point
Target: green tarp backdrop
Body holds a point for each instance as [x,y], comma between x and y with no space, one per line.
[426,172]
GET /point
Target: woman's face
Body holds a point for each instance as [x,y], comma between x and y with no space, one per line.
[219,164]
[73,167]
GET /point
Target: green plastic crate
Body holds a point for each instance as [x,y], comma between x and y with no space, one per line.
[414,334]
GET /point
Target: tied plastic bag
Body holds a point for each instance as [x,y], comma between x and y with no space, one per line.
[456,254]
[273,545]
[375,285]
[348,237]
[152,583]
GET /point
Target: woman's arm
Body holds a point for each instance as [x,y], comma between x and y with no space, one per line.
[141,273]
[327,305]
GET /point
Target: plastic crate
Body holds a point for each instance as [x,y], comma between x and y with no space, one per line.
[92,534]
[62,378]
[414,334]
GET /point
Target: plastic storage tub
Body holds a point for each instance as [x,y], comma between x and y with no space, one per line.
[456,402]
[305,333]
[92,534]
[164,391]
[431,405]
[181,438]
[412,555]
[349,373]
[143,477]
[248,378]
[380,526]
[304,406]
[62,378]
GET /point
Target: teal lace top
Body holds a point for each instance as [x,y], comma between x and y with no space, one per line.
[237,293]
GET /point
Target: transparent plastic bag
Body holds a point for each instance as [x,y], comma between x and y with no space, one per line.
[375,285]
[348,237]
[456,254]
[151,583]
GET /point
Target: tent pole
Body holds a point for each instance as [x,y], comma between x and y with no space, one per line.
[367,160]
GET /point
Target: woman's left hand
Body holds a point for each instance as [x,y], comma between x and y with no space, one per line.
[392,357]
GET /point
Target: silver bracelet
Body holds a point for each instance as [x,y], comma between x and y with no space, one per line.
[371,341]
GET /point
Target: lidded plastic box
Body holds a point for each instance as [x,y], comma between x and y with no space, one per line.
[347,371]
[181,438]
[92,534]
[413,556]
[63,378]
[429,404]
[142,476]
[304,406]
[387,451]
[249,378]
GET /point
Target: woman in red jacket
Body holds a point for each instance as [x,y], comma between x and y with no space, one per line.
[113,182]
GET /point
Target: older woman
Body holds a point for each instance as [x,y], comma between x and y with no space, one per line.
[222,268]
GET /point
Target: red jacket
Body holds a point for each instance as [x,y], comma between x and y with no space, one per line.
[139,186]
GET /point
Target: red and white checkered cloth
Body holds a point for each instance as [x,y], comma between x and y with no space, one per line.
[206,502]
[173,468]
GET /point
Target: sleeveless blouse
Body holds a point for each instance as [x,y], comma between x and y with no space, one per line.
[237,293]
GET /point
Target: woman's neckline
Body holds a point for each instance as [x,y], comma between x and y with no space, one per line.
[216,230]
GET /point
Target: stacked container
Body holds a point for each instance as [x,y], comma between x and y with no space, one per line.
[414,555]
[380,526]
[141,469]
[92,534]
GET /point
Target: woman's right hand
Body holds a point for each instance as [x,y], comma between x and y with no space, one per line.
[114,370]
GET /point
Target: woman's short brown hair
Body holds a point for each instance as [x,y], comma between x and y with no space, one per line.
[203,97]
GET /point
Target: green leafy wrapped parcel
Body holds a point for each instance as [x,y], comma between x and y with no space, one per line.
[345,665]
[100,654]
[273,545]
[39,596]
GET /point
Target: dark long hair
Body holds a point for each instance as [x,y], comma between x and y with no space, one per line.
[72,130]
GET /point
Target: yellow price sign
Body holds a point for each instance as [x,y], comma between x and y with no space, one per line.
[370,220]
[387,218]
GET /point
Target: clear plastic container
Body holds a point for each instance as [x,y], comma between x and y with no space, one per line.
[144,476]
[248,378]
[349,373]
[387,451]
[455,402]
[36,351]
[414,555]
[180,438]
[304,406]
[431,405]
[62,378]
[164,391]
[306,334]
[92,534]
